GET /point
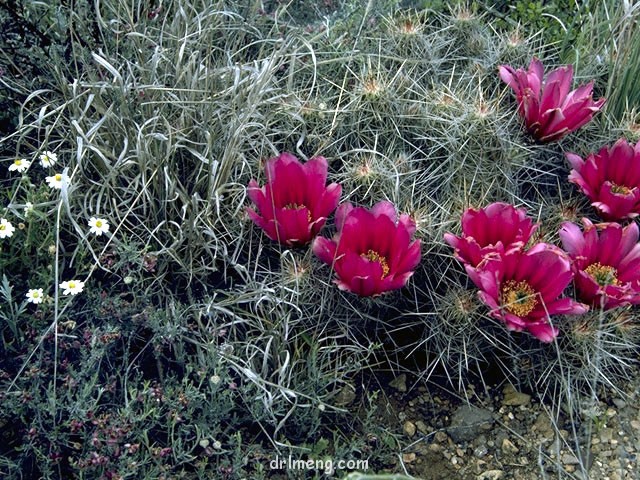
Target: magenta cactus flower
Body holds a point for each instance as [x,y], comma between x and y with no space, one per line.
[523,288]
[550,111]
[606,262]
[611,179]
[498,227]
[294,204]
[372,251]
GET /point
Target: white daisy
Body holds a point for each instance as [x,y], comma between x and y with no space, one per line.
[55,181]
[35,295]
[47,159]
[72,287]
[19,165]
[6,229]
[98,225]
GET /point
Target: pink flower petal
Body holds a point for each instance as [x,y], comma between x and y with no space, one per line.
[385,208]
[507,74]
[543,332]
[324,249]
[407,222]
[572,238]
[269,226]
[341,214]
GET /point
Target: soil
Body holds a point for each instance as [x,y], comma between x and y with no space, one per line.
[500,433]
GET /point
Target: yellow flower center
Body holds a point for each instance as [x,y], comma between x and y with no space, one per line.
[58,177]
[98,223]
[295,206]
[603,274]
[374,256]
[615,188]
[3,226]
[518,297]
[36,294]
[18,162]
[72,285]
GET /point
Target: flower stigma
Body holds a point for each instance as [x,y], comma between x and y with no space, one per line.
[603,274]
[518,297]
[620,189]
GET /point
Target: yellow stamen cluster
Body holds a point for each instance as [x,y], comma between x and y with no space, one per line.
[603,274]
[295,206]
[621,189]
[518,297]
[374,256]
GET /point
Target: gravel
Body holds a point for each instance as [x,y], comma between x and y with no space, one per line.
[507,434]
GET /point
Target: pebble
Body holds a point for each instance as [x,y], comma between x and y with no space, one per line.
[480,451]
[491,475]
[435,447]
[569,459]
[422,427]
[606,435]
[409,428]
[543,426]
[509,447]
[513,397]
[469,422]
[440,437]
[399,383]
[619,403]
[345,396]
[409,457]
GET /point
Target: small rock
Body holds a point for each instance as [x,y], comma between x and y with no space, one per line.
[468,422]
[409,428]
[543,426]
[606,435]
[569,459]
[480,451]
[509,447]
[440,437]
[345,396]
[409,457]
[399,383]
[422,427]
[491,475]
[618,402]
[514,398]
